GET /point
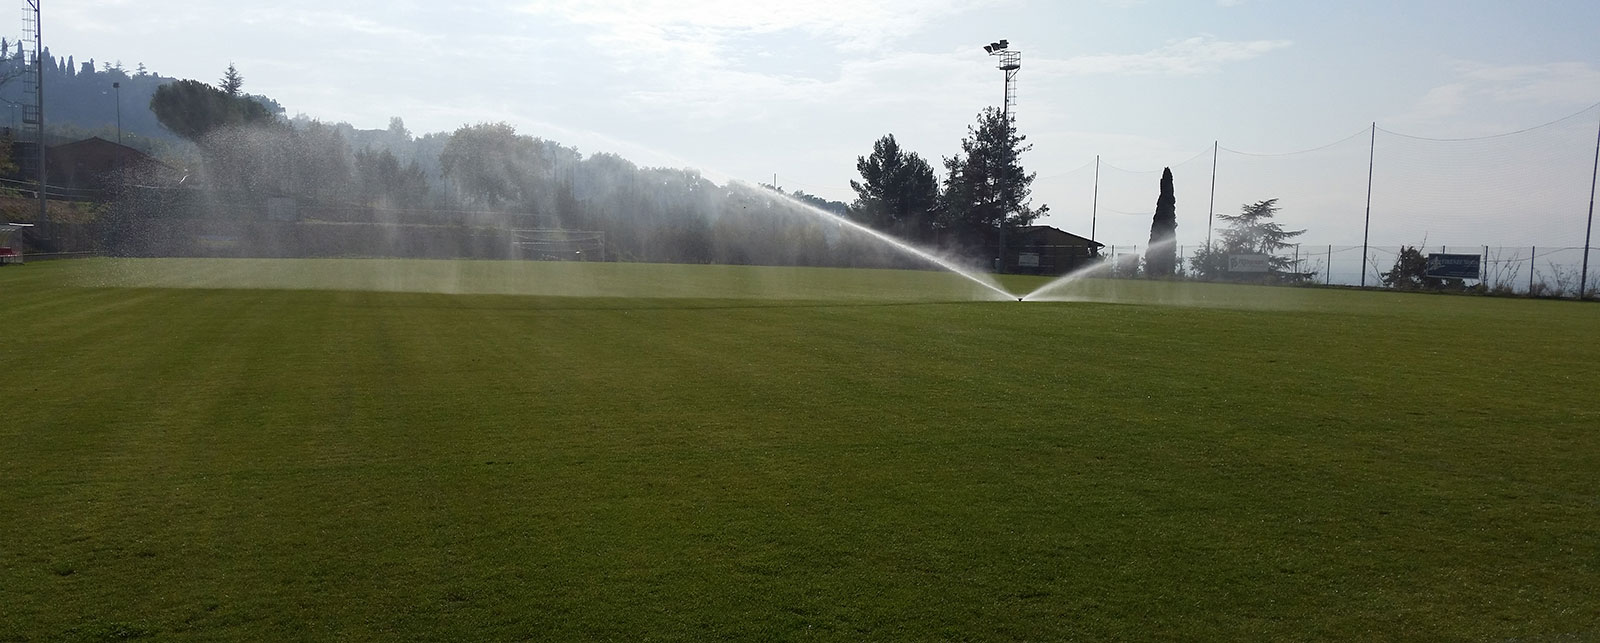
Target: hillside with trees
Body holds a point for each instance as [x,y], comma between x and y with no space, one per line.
[236,152]
[80,99]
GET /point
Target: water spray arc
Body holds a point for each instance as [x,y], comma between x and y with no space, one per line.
[903,247]
[1043,293]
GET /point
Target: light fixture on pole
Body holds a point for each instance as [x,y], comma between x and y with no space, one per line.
[1010,62]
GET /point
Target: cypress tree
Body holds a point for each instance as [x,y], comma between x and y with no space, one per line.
[1161,257]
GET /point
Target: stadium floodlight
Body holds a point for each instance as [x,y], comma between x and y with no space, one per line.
[1009,62]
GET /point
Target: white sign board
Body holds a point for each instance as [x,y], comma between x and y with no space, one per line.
[1028,260]
[1249,263]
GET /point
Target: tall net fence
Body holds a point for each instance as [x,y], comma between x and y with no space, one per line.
[1539,270]
[1520,200]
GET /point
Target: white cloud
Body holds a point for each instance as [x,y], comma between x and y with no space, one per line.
[646,26]
[1559,82]
[1197,55]
[694,56]
[1475,83]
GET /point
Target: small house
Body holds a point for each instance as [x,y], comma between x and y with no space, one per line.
[1045,250]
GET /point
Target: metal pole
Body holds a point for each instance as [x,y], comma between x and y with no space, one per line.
[1583,276]
[1484,278]
[1328,278]
[1533,255]
[38,68]
[1211,211]
[1000,260]
[1366,229]
[1094,206]
[118,87]
[1005,95]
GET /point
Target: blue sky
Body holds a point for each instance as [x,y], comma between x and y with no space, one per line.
[752,88]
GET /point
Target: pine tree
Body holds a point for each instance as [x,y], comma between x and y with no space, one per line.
[1254,231]
[397,129]
[897,193]
[1161,257]
[232,81]
[986,187]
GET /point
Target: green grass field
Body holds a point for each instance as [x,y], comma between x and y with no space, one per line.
[233,459]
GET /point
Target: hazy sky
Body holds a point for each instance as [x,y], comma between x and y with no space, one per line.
[753,88]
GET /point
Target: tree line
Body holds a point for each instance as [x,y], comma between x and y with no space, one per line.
[246,153]
[984,191]
[242,146]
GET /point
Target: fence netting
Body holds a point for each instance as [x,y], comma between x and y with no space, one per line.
[1521,200]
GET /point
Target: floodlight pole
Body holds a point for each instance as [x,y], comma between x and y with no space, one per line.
[38,70]
[1010,63]
[118,87]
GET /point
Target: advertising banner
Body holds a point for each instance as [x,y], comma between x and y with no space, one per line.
[1452,266]
[1248,263]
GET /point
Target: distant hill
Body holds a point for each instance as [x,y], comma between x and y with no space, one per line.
[80,99]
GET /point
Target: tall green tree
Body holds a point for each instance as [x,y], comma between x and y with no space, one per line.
[232,81]
[985,187]
[1252,231]
[1161,256]
[490,165]
[897,193]
[192,109]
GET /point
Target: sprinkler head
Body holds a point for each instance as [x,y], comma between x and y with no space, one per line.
[1019,299]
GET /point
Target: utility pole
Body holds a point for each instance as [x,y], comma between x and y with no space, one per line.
[1094,205]
[1583,277]
[1211,211]
[1366,229]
